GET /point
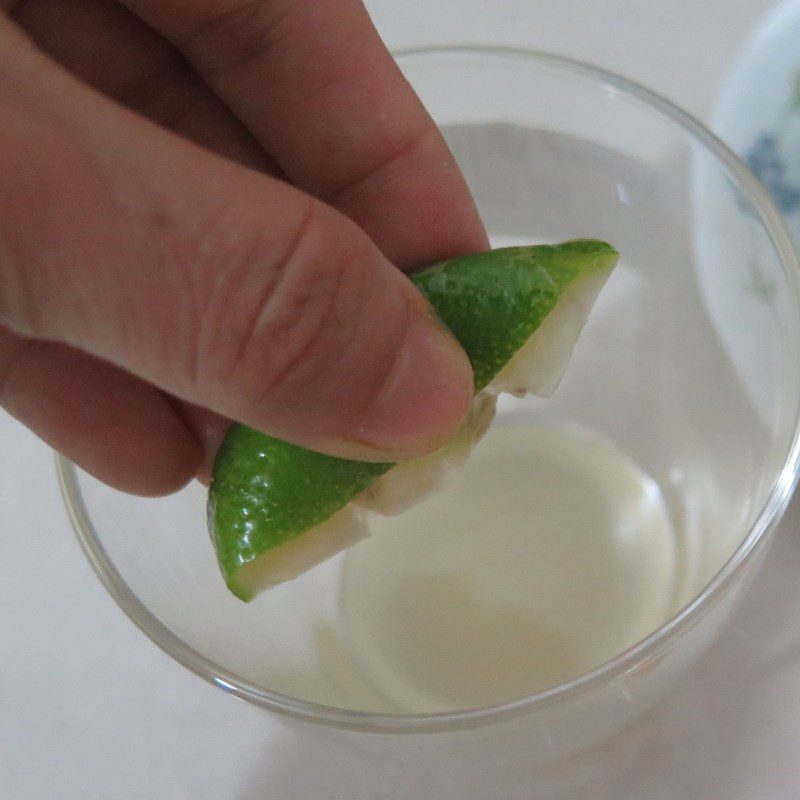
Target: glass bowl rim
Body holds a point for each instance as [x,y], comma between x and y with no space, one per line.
[648,647]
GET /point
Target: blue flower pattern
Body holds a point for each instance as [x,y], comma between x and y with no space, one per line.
[767,159]
[768,163]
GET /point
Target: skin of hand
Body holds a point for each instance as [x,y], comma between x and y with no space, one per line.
[205,210]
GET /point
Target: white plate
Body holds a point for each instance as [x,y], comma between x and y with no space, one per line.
[758,115]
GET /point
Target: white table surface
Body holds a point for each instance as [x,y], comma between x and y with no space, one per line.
[89,708]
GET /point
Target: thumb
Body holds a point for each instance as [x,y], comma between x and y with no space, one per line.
[222,286]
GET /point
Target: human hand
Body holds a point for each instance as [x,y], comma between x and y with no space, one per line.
[203,208]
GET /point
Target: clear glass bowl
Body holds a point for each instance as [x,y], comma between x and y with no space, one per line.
[690,365]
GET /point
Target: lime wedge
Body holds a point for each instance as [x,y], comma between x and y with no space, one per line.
[264,493]
[493,302]
[275,509]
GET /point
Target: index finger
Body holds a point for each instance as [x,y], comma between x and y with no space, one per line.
[315,84]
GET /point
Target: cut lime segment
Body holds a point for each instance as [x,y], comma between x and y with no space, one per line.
[266,492]
[298,555]
[493,302]
[276,509]
[538,366]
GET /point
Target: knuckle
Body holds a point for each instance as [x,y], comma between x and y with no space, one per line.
[283,310]
[227,42]
[303,319]
[22,305]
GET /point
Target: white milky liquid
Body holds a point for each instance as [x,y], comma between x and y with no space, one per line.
[548,554]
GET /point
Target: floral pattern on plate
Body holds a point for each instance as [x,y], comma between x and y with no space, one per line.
[769,156]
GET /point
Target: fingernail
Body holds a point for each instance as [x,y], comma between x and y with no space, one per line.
[427,397]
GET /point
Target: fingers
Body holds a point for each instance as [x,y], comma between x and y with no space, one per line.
[225,287]
[129,62]
[314,83]
[110,423]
